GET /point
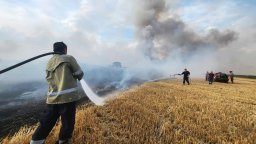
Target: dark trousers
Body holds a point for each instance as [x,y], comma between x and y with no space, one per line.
[185,79]
[210,80]
[232,80]
[53,112]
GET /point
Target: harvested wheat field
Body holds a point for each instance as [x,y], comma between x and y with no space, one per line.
[167,112]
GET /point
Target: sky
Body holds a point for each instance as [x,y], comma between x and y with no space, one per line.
[169,35]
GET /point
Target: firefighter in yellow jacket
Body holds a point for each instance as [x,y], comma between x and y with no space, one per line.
[62,73]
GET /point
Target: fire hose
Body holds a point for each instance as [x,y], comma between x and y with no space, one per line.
[190,81]
[90,94]
[26,61]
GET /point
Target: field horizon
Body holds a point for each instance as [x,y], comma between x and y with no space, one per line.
[166,112]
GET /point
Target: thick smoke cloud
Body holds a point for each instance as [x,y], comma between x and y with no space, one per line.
[160,34]
[221,38]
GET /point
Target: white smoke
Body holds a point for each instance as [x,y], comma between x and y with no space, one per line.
[102,31]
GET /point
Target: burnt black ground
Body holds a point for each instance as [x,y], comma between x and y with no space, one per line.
[12,119]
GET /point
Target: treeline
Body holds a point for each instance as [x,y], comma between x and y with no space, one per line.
[246,76]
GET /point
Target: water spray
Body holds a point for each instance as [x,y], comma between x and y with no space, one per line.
[91,95]
[173,77]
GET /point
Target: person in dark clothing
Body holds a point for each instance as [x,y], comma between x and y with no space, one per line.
[185,74]
[210,77]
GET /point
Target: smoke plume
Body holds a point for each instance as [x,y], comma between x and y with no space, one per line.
[161,33]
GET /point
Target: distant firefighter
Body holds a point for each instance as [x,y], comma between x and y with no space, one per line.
[185,74]
[206,76]
[231,76]
[211,77]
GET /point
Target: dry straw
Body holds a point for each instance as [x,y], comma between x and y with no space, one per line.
[166,112]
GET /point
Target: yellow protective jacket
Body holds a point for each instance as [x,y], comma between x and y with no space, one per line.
[62,72]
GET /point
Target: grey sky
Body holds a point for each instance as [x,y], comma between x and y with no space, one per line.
[102,31]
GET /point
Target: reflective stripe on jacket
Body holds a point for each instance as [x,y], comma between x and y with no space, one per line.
[61,72]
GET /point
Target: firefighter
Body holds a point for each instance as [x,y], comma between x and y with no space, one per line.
[210,77]
[231,76]
[206,76]
[185,74]
[62,74]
